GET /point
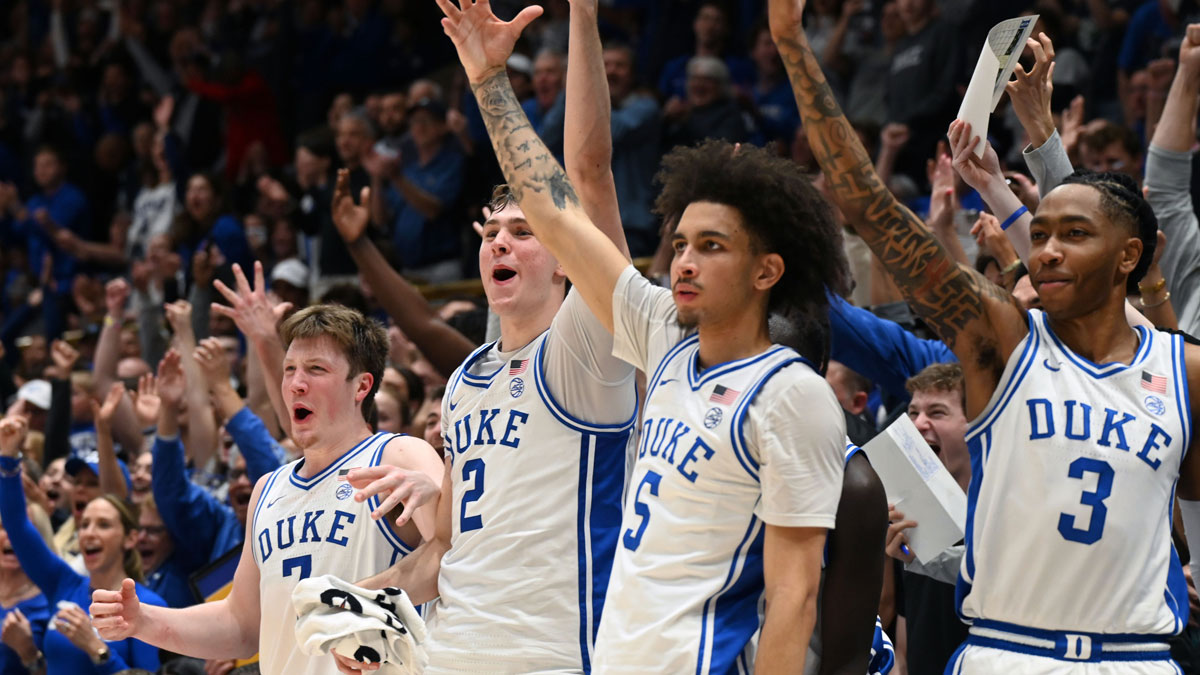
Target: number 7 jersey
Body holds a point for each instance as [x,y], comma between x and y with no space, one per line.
[1074,467]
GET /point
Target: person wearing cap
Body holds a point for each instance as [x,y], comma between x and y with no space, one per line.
[34,399]
[289,280]
[415,192]
[520,73]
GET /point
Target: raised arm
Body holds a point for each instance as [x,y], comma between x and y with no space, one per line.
[551,205]
[444,346]
[977,319]
[201,440]
[112,480]
[587,129]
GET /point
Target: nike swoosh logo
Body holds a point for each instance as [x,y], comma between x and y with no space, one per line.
[1046,362]
[453,406]
[272,502]
[669,379]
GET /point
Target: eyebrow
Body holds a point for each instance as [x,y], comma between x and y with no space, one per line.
[1069,218]
[703,233]
[496,221]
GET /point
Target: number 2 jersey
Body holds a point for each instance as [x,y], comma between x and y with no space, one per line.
[724,453]
[306,527]
[538,438]
[1074,467]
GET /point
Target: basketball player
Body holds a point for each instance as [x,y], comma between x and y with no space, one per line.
[1081,422]
[726,496]
[306,519]
[536,428]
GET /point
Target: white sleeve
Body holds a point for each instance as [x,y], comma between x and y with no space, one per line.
[580,369]
[644,321]
[797,432]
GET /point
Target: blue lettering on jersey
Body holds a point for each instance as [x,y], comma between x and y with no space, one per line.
[1077,426]
[661,438]
[486,425]
[310,531]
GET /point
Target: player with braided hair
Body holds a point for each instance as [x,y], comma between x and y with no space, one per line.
[1122,202]
[1081,423]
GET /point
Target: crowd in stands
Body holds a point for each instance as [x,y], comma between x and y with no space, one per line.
[167,169]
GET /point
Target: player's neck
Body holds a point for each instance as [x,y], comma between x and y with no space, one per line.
[322,453]
[733,339]
[518,331]
[1103,336]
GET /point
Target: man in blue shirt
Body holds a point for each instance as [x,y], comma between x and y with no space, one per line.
[419,190]
[58,205]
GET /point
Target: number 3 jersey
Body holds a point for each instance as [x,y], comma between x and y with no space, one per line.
[307,527]
[537,486]
[1074,467]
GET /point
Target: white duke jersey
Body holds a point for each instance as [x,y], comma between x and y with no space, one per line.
[306,527]
[536,501]
[723,453]
[1074,467]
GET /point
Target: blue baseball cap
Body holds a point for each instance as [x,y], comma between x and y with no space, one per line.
[91,461]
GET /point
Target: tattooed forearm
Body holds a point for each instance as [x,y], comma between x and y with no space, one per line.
[948,297]
[527,165]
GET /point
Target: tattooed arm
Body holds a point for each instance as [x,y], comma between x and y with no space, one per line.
[978,320]
[541,187]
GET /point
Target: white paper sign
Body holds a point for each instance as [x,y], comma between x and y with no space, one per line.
[920,486]
[996,61]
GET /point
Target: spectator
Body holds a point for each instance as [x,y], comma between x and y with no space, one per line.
[549,79]
[108,538]
[1113,147]
[852,391]
[57,205]
[415,195]
[203,221]
[635,138]
[711,29]
[709,111]
[774,103]
[25,609]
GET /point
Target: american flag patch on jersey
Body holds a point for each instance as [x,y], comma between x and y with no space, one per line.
[342,474]
[1154,383]
[723,395]
[517,367]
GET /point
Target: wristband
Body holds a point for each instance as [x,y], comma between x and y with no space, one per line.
[108,320]
[1154,287]
[1013,218]
[1011,267]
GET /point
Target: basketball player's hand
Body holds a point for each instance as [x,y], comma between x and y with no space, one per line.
[895,535]
[351,667]
[785,17]
[395,486]
[116,615]
[350,219]
[250,308]
[1189,50]
[12,435]
[483,41]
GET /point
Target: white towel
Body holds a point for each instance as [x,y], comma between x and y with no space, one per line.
[368,626]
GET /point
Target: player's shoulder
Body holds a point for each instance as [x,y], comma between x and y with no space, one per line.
[796,378]
[398,446]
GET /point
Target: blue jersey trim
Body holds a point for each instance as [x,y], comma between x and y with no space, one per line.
[478,380]
[1101,371]
[262,499]
[697,379]
[1182,395]
[734,623]
[1028,356]
[966,573]
[679,347]
[565,418]
[583,542]
[598,525]
[736,432]
[373,503]
[310,483]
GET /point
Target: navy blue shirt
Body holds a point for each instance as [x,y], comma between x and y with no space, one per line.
[418,240]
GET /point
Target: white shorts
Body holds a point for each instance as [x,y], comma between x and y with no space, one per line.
[997,647]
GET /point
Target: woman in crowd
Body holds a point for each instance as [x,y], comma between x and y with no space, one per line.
[107,539]
[23,606]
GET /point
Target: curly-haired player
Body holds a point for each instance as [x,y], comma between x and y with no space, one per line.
[739,470]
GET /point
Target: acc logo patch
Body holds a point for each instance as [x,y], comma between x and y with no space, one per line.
[344,491]
[713,417]
[516,387]
[1155,405]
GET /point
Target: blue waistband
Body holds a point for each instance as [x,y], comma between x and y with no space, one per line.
[1069,645]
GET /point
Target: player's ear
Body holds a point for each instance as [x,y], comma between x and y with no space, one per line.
[770,270]
[365,382]
[1130,255]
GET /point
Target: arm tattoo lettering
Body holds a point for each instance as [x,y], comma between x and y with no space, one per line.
[523,158]
[949,297]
